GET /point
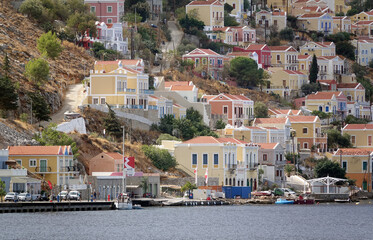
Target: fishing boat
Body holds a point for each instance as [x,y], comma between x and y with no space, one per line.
[341,200]
[284,201]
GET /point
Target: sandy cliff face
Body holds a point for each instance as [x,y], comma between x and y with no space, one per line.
[18,36]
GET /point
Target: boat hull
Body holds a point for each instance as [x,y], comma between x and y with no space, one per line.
[123,206]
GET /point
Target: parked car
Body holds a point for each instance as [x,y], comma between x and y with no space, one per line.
[288,192]
[43,197]
[11,196]
[24,197]
[62,195]
[74,195]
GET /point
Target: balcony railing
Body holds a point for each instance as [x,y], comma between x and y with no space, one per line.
[129,90]
[70,169]
[152,107]
[232,166]
[146,91]
[43,169]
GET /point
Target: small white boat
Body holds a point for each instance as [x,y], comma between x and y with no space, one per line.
[339,200]
[137,206]
[123,202]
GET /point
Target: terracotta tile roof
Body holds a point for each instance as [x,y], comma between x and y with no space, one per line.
[254,128]
[348,85]
[203,51]
[358,127]
[303,56]
[209,2]
[269,121]
[278,13]
[267,145]
[327,81]
[325,44]
[353,151]
[212,140]
[302,119]
[301,1]
[282,48]
[293,72]
[311,15]
[313,9]
[222,29]
[255,46]
[114,155]
[35,150]
[238,54]
[365,22]
[181,88]
[323,95]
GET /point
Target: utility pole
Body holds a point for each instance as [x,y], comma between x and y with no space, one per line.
[31,111]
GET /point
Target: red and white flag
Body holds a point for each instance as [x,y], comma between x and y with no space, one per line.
[195,175]
[207,176]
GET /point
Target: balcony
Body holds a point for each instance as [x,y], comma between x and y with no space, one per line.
[323,72]
[70,169]
[128,90]
[252,166]
[146,91]
[43,169]
[232,166]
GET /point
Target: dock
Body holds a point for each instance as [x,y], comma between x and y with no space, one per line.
[26,207]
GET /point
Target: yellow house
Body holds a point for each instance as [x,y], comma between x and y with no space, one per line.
[341,24]
[304,63]
[276,18]
[238,7]
[233,161]
[52,163]
[210,12]
[319,22]
[179,111]
[353,91]
[318,48]
[308,132]
[328,102]
[358,165]
[285,82]
[282,113]
[360,134]
[363,16]
[285,57]
[123,87]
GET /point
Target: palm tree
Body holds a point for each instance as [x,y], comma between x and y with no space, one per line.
[289,168]
[144,184]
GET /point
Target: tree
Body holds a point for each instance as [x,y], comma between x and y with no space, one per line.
[350,119]
[321,115]
[79,24]
[246,72]
[188,186]
[325,167]
[40,108]
[289,168]
[260,110]
[6,65]
[32,8]
[346,49]
[229,21]
[50,45]
[287,34]
[310,88]
[112,124]
[227,8]
[166,124]
[8,96]
[132,18]
[166,136]
[161,158]
[193,115]
[191,25]
[37,70]
[2,190]
[144,185]
[336,139]
[51,137]
[220,124]
[141,6]
[314,70]
[371,63]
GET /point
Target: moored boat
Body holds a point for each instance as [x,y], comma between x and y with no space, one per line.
[284,201]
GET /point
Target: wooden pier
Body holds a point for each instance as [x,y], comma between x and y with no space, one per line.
[24,207]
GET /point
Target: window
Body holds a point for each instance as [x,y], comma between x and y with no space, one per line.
[320,108]
[19,162]
[305,145]
[225,110]
[109,9]
[95,100]
[43,165]
[194,160]
[278,57]
[276,157]
[205,160]
[32,162]
[327,109]
[353,139]
[369,140]
[265,157]
[275,22]
[305,130]
[103,100]
[344,165]
[93,9]
[365,165]
[280,157]
[109,20]
[234,6]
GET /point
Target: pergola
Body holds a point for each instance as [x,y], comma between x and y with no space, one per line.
[327,181]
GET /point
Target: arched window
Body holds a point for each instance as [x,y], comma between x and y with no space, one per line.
[320,108]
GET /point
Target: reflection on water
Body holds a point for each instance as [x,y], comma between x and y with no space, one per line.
[324,221]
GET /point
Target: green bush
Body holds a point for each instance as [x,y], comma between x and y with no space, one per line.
[161,158]
[50,45]
[166,136]
[24,117]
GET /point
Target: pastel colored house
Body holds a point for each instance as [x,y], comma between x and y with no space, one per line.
[237,109]
[363,28]
[360,134]
[267,19]
[106,162]
[108,66]
[285,83]
[304,63]
[358,164]
[308,132]
[318,48]
[233,161]
[353,91]
[280,123]
[239,36]
[363,16]
[319,22]
[310,10]
[282,113]
[328,85]
[186,89]
[108,11]
[262,50]
[257,134]
[238,8]
[285,57]
[272,161]
[123,87]
[206,60]
[52,163]
[342,24]
[163,105]
[210,12]
[332,67]
[156,8]
[328,102]
[178,111]
[364,50]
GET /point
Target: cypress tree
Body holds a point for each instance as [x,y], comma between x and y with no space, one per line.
[112,124]
[8,94]
[40,108]
[314,70]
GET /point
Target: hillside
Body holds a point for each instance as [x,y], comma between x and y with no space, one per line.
[18,35]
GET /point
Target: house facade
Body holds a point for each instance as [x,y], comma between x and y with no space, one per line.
[207,61]
[341,24]
[233,161]
[210,12]
[285,57]
[364,50]
[53,163]
[186,89]
[237,109]
[272,161]
[107,11]
[319,22]
[331,67]
[111,35]
[318,48]
[262,50]
[360,134]
[285,83]
[328,102]
[239,36]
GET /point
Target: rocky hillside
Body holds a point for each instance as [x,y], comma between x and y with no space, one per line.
[18,35]
[16,133]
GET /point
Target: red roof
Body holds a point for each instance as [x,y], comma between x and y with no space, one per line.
[358,127]
[114,155]
[202,51]
[269,121]
[176,83]
[303,56]
[267,145]
[282,48]
[213,140]
[311,15]
[323,95]
[365,22]
[182,88]
[278,13]
[302,119]
[353,151]
[348,85]
[209,2]
[36,150]
[255,46]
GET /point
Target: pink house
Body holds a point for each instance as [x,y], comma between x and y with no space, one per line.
[108,11]
[263,51]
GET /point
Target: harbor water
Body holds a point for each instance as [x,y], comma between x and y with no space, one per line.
[323,221]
